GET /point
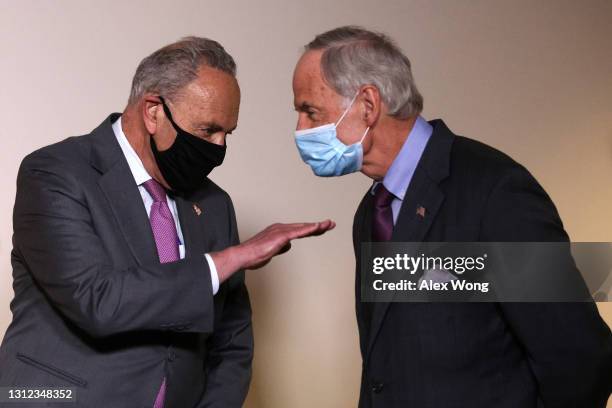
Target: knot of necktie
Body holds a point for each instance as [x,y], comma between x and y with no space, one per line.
[156,190]
[382,196]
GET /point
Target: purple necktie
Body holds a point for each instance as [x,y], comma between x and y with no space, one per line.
[162,223]
[382,220]
[166,240]
[382,228]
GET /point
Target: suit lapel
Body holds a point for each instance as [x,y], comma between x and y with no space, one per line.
[363,231]
[193,217]
[118,185]
[423,193]
[126,202]
[410,227]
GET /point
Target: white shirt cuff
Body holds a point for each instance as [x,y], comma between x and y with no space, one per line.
[214,277]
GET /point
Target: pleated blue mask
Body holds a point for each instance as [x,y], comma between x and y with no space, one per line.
[326,155]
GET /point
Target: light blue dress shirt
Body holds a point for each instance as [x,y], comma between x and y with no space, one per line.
[402,169]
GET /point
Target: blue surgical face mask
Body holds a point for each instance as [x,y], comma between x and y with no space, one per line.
[326,155]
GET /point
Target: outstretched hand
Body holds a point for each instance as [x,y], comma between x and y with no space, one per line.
[263,246]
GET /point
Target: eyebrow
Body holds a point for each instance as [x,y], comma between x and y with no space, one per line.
[304,106]
[215,127]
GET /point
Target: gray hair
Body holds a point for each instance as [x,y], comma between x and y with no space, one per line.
[172,67]
[353,57]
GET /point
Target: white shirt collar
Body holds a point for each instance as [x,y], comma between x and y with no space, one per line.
[136,167]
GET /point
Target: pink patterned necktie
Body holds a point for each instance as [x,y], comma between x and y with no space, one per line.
[166,240]
[162,223]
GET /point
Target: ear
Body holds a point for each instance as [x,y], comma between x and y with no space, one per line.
[370,97]
[152,112]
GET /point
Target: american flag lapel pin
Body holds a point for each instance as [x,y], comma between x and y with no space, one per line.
[197,209]
[420,211]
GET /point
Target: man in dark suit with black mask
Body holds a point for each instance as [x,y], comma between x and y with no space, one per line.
[128,271]
[359,110]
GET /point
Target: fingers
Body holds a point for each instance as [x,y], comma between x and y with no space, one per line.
[276,240]
[303,230]
[325,226]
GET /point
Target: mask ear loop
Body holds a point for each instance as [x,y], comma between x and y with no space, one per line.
[347,109]
[364,134]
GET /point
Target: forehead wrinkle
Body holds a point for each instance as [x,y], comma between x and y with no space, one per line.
[207,105]
[306,90]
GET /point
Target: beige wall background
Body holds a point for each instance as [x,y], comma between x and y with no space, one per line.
[531,78]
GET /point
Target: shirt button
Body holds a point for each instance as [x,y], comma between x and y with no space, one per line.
[377,387]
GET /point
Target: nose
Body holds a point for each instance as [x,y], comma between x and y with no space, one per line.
[302,122]
[218,138]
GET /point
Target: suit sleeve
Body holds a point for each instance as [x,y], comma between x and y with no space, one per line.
[55,236]
[568,345]
[230,347]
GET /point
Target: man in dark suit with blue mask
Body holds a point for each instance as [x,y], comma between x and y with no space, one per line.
[432,185]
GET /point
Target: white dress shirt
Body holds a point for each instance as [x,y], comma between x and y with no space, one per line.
[141,176]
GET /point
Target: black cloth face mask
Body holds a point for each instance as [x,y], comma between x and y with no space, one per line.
[188,161]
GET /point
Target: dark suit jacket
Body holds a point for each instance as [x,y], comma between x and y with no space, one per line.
[94,309]
[473,355]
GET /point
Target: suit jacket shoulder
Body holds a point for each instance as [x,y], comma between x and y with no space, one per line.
[480,166]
